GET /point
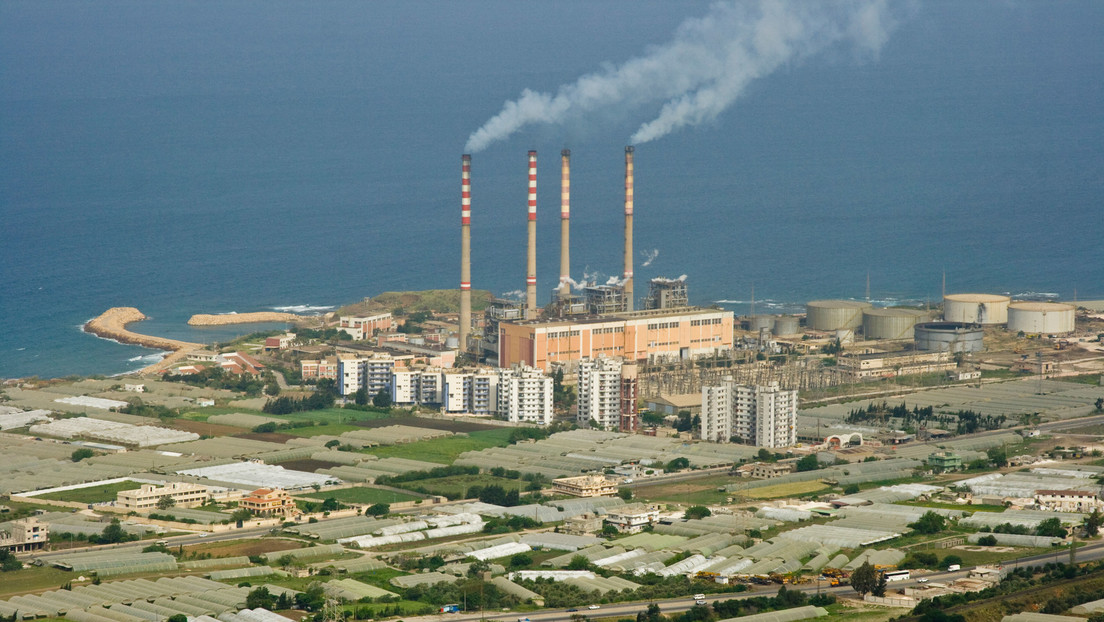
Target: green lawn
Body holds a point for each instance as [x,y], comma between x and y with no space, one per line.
[91,494]
[457,485]
[32,579]
[445,450]
[364,494]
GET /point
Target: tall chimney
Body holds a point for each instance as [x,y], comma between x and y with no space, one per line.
[465,251]
[565,220]
[628,276]
[531,270]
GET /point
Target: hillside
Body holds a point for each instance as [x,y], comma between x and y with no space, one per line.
[439,300]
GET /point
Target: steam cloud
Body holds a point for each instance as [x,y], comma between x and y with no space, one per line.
[649,257]
[704,68]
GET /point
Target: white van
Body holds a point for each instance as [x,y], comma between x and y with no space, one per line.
[699,596]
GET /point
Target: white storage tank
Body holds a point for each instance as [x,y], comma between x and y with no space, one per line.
[1044,318]
[835,314]
[891,323]
[948,337]
[786,325]
[755,323]
[976,308]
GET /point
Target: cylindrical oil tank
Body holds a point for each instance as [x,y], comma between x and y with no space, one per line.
[1045,318]
[976,308]
[756,322]
[891,323]
[948,337]
[835,314]
[786,325]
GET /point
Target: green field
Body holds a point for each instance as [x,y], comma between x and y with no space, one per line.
[363,494]
[335,415]
[445,450]
[91,494]
[331,429]
[457,485]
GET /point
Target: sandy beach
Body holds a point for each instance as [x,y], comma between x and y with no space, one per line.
[112,324]
[205,319]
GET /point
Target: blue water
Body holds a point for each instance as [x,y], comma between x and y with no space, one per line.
[213,157]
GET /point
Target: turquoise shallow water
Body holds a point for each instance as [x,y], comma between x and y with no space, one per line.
[201,158]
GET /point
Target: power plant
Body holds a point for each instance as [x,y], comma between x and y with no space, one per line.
[465,250]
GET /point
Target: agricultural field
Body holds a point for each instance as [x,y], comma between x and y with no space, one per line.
[33,579]
[364,494]
[445,450]
[702,490]
[456,486]
[91,494]
[240,548]
[792,489]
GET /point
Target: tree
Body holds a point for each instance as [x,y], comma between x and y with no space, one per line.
[1099,403]
[989,540]
[378,509]
[180,617]
[165,502]
[625,493]
[114,533]
[520,560]
[696,512]
[8,562]
[929,523]
[1093,522]
[1051,527]
[951,560]
[684,423]
[651,614]
[609,530]
[312,599]
[332,443]
[578,562]
[360,398]
[330,504]
[863,580]
[677,464]
[260,597]
[764,455]
[998,456]
[81,454]
[880,585]
[808,463]
[851,489]
[382,399]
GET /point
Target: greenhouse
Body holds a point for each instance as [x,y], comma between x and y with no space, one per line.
[515,590]
[1012,539]
[1025,518]
[307,554]
[806,612]
[241,573]
[425,578]
[260,475]
[353,590]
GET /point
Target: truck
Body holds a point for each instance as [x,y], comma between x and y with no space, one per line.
[450,608]
[954,567]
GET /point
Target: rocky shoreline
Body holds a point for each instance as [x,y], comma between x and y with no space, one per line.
[206,319]
[112,324]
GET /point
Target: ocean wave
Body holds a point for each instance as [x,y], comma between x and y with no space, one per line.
[1033,296]
[303,309]
[147,359]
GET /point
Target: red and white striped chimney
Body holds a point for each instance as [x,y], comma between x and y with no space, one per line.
[465,251]
[628,276]
[565,220]
[531,269]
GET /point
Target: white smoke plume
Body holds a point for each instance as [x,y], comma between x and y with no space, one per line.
[649,257]
[704,68]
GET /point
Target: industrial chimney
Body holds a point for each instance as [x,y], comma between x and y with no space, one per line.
[565,220]
[531,270]
[465,251]
[628,276]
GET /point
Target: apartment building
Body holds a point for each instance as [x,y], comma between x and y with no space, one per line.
[524,394]
[765,416]
[146,497]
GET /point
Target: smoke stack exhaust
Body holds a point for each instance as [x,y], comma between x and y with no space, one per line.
[465,251]
[628,276]
[565,220]
[531,269]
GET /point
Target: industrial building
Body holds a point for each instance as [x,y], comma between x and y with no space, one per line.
[892,364]
[948,337]
[363,327]
[835,314]
[146,498]
[764,416]
[891,323]
[607,391]
[640,336]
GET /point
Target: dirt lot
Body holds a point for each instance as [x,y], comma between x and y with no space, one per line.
[202,428]
[433,424]
[307,465]
[237,548]
[271,437]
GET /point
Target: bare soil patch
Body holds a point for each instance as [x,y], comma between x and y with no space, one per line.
[236,548]
[203,428]
[271,437]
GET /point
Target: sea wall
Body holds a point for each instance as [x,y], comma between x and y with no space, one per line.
[205,319]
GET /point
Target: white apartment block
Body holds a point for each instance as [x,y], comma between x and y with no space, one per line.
[764,416]
[599,393]
[356,372]
[525,394]
[146,497]
[350,374]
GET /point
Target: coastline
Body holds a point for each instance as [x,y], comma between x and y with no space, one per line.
[207,319]
[112,324]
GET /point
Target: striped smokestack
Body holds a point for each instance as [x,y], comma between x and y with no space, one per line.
[628,276]
[565,220]
[531,268]
[465,251]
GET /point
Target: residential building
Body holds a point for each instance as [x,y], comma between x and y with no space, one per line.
[146,498]
[763,415]
[27,534]
[945,461]
[582,525]
[599,393]
[524,394]
[1082,501]
[770,470]
[319,368]
[632,518]
[358,372]
[416,387]
[585,486]
[651,335]
[363,327]
[269,502]
[279,342]
[240,363]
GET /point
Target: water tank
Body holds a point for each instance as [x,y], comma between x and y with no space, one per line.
[835,314]
[452,342]
[948,337]
[975,308]
[786,325]
[1045,318]
[891,323]
[756,322]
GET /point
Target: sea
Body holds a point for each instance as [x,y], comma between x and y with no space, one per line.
[218,157]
